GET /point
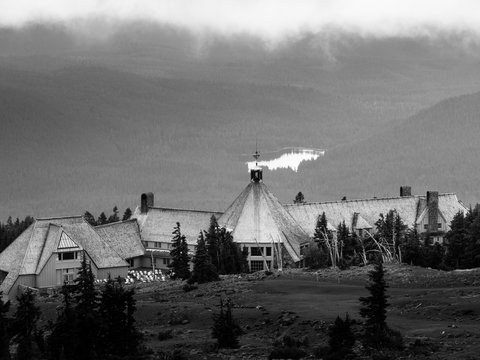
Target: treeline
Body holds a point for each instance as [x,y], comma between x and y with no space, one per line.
[104,219]
[393,241]
[216,253]
[10,230]
[90,324]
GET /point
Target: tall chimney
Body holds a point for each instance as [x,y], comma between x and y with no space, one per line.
[146,201]
[432,205]
[405,191]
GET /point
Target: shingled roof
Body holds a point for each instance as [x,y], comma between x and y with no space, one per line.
[124,237]
[408,207]
[158,223]
[256,216]
[29,253]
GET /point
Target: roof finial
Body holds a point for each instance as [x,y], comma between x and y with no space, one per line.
[257,154]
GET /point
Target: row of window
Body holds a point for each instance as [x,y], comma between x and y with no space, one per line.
[439,226]
[256,265]
[69,255]
[260,251]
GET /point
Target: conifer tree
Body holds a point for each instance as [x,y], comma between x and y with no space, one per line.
[179,253]
[225,329]
[127,214]
[299,198]
[455,240]
[62,341]
[374,310]
[203,269]
[114,217]
[341,338]
[102,219]
[118,336]
[211,241]
[25,323]
[4,335]
[89,218]
[86,311]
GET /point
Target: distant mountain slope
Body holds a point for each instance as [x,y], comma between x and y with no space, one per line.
[437,149]
[88,135]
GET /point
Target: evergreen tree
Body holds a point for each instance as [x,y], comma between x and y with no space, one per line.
[114,217]
[118,336]
[323,237]
[179,253]
[102,219]
[203,269]
[412,248]
[374,309]
[62,342]
[211,241]
[127,214]
[299,198]
[225,329]
[455,241]
[341,338]
[86,311]
[4,335]
[89,218]
[25,323]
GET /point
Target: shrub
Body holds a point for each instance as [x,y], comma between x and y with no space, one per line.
[225,329]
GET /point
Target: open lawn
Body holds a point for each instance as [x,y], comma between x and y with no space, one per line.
[440,309]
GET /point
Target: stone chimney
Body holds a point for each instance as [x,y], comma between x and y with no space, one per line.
[405,191]
[432,205]
[146,201]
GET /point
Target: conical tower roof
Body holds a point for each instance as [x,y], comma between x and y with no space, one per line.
[256,216]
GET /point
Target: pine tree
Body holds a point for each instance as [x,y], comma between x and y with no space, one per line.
[341,338]
[118,336]
[225,329]
[89,218]
[25,323]
[299,198]
[211,241]
[127,214]
[4,335]
[455,241]
[412,249]
[179,253]
[374,310]
[114,217]
[62,341]
[86,311]
[203,269]
[102,219]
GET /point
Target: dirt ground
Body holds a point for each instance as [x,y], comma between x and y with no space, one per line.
[439,309]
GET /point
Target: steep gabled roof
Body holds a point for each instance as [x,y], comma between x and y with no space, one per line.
[124,237]
[408,207]
[158,223]
[29,253]
[256,216]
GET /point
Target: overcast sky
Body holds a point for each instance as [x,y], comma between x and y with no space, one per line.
[271,20]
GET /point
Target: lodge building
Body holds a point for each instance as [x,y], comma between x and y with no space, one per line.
[48,253]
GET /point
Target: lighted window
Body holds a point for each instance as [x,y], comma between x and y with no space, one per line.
[256,265]
[256,251]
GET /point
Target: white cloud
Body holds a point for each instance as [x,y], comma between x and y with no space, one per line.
[271,20]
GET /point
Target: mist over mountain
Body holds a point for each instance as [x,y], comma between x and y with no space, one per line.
[90,125]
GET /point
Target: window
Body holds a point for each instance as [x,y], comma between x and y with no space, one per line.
[166,261]
[256,265]
[439,225]
[256,251]
[269,251]
[70,255]
[131,263]
[158,244]
[69,275]
[425,226]
[269,264]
